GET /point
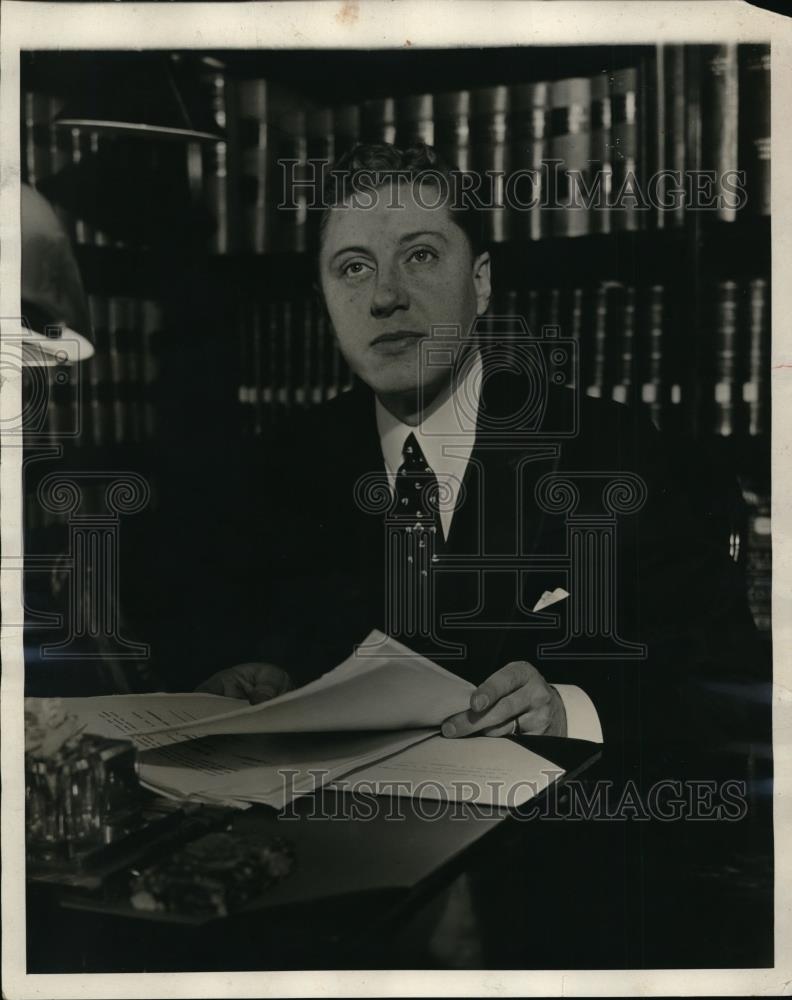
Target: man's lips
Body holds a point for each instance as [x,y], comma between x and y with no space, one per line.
[396,336]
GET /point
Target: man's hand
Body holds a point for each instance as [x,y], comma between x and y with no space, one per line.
[516,691]
[255,681]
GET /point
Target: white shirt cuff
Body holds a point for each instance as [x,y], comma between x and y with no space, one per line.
[582,720]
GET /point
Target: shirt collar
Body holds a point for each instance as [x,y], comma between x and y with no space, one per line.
[446,436]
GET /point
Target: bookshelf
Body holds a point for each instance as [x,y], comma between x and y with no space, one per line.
[209,325]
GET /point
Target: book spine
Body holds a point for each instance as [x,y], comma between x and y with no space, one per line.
[570,151]
[573,319]
[489,152]
[321,139]
[133,335]
[378,120]
[601,168]
[346,128]
[152,333]
[116,359]
[78,150]
[756,387]
[724,359]
[599,343]
[219,182]
[308,354]
[526,189]
[256,166]
[551,308]
[624,145]
[286,393]
[719,110]
[452,129]
[96,371]
[755,125]
[759,562]
[321,338]
[290,139]
[624,381]
[36,158]
[671,187]
[271,359]
[653,359]
[415,120]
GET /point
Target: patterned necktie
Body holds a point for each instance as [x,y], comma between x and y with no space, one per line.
[416,537]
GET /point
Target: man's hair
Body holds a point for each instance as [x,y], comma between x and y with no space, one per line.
[374,165]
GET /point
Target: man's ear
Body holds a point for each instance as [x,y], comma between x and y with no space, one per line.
[482,282]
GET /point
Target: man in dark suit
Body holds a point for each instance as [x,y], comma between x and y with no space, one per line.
[457,484]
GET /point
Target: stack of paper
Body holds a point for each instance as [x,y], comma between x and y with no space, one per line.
[382,701]
[208,748]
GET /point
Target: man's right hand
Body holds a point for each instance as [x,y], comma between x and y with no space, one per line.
[256,682]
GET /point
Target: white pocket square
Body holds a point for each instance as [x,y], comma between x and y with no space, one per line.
[550,597]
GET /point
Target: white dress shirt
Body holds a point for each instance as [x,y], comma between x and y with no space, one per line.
[446,437]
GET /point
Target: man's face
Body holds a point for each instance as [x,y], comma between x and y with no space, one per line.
[389,274]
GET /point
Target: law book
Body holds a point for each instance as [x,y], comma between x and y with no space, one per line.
[597,347]
[346,128]
[627,193]
[551,308]
[531,310]
[724,373]
[570,155]
[754,125]
[36,159]
[270,358]
[672,212]
[529,121]
[622,388]
[152,332]
[489,155]
[415,120]
[719,114]
[654,390]
[452,128]
[321,151]
[254,390]
[601,168]
[221,170]
[116,341]
[258,218]
[320,353]
[759,559]
[756,350]
[290,140]
[272,127]
[97,428]
[378,120]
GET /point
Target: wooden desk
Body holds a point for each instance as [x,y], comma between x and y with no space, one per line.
[547,893]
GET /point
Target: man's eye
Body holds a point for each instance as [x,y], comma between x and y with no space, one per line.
[422,255]
[354,267]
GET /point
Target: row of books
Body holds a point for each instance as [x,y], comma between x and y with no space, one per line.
[48,151]
[288,359]
[759,558]
[621,151]
[625,150]
[110,399]
[631,349]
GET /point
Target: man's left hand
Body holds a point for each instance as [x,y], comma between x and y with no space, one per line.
[515,692]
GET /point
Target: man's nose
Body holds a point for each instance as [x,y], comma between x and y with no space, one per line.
[390,294]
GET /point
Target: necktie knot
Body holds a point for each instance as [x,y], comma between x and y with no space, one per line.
[414,458]
[416,487]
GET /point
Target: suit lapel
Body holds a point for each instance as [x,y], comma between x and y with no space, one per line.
[499,517]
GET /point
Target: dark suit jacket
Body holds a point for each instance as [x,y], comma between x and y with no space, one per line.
[319,575]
